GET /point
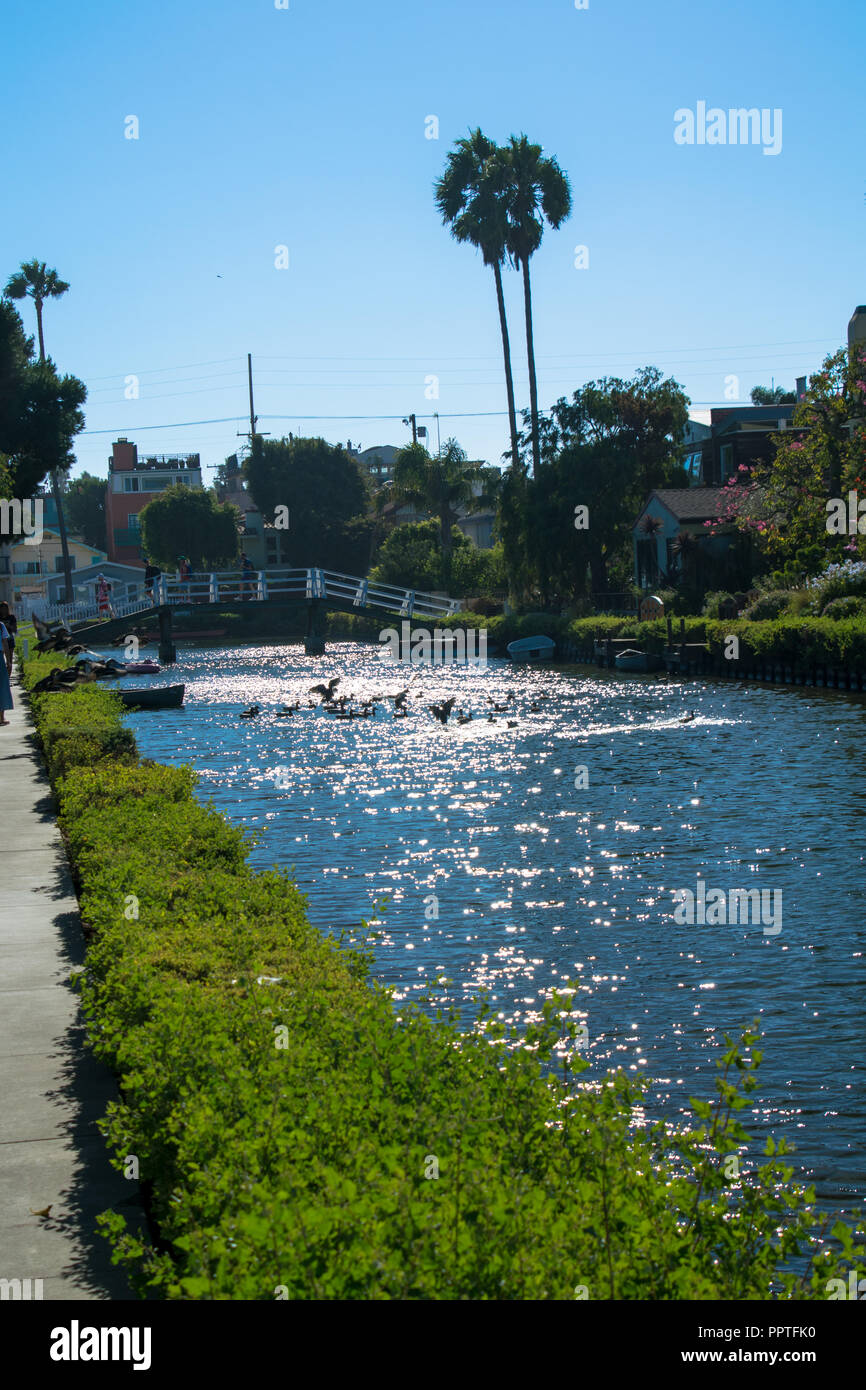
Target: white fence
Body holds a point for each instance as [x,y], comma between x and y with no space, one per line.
[76,612]
[231,586]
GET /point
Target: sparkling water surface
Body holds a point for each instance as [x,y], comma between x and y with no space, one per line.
[538,880]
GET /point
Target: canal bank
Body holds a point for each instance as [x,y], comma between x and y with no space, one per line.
[55,1176]
[305,1134]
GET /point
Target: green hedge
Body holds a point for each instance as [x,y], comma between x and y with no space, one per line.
[300,1137]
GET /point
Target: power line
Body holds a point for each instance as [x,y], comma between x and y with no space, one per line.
[443,415]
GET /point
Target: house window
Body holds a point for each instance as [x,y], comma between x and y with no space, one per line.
[58,563]
[132,521]
[4,564]
[130,485]
[726,462]
[692,466]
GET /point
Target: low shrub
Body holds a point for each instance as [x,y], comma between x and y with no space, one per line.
[769,605]
[848,606]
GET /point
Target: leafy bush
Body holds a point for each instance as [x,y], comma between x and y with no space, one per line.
[289,1123]
[849,606]
[769,605]
[839,581]
[713,600]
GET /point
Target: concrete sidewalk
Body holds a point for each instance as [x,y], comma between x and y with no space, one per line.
[52,1091]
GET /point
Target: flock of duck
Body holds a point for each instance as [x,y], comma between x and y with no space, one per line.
[351,707]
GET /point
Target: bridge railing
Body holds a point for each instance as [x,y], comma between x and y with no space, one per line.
[231,586]
[80,611]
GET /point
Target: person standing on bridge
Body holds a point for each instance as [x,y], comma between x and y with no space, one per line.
[151,575]
[103,597]
[247,571]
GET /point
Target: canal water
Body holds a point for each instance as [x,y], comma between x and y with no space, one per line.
[515,859]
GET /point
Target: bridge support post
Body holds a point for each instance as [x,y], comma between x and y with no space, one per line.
[314,642]
[167,652]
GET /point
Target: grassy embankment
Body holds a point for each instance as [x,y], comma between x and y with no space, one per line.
[825,641]
[299,1136]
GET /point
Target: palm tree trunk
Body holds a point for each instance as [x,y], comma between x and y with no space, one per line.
[38,304]
[509,379]
[55,484]
[530,357]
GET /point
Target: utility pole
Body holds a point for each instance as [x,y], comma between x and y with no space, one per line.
[410,420]
[253,416]
[252,408]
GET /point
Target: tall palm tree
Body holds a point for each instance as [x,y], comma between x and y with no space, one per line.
[470,195]
[35,281]
[537,191]
[438,484]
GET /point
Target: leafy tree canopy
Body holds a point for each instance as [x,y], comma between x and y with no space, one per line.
[84,502]
[189,521]
[326,495]
[820,457]
[40,411]
[605,450]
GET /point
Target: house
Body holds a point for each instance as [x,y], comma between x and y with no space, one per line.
[267,547]
[27,572]
[733,435]
[127,583]
[378,463]
[132,483]
[667,514]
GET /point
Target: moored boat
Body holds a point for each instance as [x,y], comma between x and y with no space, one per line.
[143,668]
[532,649]
[632,659]
[157,697]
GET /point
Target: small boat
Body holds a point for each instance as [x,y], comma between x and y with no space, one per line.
[634,660]
[532,649]
[148,667]
[158,697]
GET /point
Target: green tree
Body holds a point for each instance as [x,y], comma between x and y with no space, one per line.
[326,496]
[822,455]
[35,281]
[471,196]
[189,521]
[536,191]
[772,395]
[40,411]
[440,483]
[85,508]
[605,449]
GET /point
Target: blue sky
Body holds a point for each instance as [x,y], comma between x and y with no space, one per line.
[305,127]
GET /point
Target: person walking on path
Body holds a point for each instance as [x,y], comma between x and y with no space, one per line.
[5,673]
[10,622]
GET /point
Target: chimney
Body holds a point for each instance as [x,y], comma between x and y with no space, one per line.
[857,330]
